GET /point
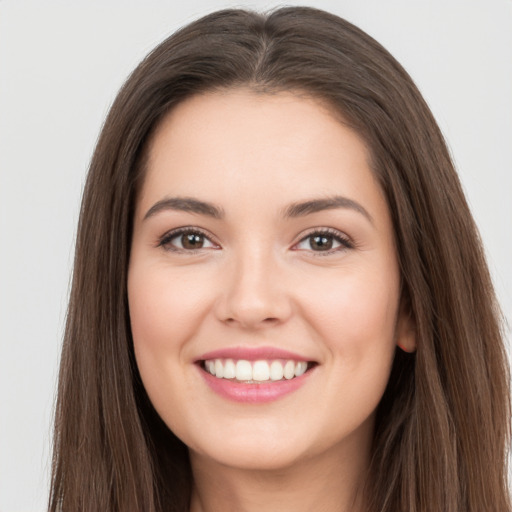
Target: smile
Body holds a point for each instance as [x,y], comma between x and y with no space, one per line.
[250,372]
[255,374]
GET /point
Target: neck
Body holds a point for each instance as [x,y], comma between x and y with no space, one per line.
[323,483]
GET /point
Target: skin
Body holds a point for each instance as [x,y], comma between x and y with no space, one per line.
[259,281]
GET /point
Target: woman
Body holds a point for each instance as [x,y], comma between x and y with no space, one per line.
[280,298]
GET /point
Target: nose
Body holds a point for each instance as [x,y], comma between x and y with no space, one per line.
[254,294]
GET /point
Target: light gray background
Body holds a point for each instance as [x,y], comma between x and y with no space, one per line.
[61,64]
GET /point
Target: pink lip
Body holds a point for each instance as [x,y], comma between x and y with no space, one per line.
[253,393]
[251,354]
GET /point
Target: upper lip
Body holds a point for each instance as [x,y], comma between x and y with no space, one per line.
[252,354]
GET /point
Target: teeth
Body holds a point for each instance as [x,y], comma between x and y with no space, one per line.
[276,370]
[289,370]
[243,370]
[219,369]
[256,371]
[229,369]
[300,368]
[260,371]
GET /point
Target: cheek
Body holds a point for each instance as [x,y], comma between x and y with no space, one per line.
[165,308]
[357,312]
[358,324]
[356,321]
[165,312]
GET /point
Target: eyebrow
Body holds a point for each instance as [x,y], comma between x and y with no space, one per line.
[298,209]
[186,204]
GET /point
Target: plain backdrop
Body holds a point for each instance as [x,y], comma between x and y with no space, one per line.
[61,64]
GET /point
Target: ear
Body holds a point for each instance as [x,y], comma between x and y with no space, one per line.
[405,329]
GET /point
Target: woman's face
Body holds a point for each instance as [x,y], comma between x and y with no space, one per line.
[263,282]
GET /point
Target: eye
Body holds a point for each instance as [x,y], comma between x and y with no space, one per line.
[186,240]
[324,241]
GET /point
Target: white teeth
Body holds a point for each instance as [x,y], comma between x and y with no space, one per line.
[256,371]
[276,370]
[229,369]
[300,368]
[260,370]
[243,370]
[219,370]
[289,370]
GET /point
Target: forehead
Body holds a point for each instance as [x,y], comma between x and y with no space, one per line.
[257,119]
[275,145]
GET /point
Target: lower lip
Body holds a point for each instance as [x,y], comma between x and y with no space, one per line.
[254,393]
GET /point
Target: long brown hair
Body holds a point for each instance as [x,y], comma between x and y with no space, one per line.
[442,427]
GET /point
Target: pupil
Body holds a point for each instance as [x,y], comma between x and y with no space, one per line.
[321,243]
[192,241]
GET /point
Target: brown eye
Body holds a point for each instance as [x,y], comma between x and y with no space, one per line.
[321,242]
[192,241]
[186,240]
[324,241]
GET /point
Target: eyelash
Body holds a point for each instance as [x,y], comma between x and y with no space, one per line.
[165,240]
[337,236]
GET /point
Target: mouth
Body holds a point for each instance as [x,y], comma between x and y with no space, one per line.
[255,375]
[255,371]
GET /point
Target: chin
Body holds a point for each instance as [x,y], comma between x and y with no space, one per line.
[252,457]
[274,448]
